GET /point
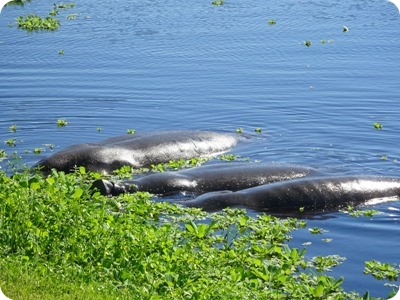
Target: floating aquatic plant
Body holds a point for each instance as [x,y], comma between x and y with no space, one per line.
[307,43]
[3,154]
[228,157]
[38,150]
[316,230]
[17,2]
[53,12]
[271,22]
[33,22]
[72,16]
[325,263]
[12,128]
[382,270]
[11,142]
[378,126]
[359,213]
[62,122]
[179,164]
[217,2]
[131,131]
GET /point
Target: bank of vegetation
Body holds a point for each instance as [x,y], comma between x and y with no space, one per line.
[62,240]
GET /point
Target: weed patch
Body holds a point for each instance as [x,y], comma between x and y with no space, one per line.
[61,240]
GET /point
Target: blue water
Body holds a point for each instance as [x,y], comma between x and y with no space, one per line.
[152,65]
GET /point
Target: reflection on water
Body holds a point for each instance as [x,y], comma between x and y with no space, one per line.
[152,65]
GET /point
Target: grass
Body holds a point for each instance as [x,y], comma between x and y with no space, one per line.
[61,240]
[21,282]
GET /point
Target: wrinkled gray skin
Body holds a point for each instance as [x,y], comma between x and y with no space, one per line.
[139,150]
[229,176]
[312,193]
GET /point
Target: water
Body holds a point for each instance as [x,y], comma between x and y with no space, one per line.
[152,65]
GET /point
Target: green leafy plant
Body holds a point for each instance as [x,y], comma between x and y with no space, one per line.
[316,230]
[33,22]
[131,131]
[308,43]
[12,128]
[124,172]
[326,263]
[258,130]
[179,164]
[72,16]
[359,213]
[271,22]
[11,142]
[217,2]
[62,123]
[382,270]
[228,157]
[38,150]
[63,5]
[60,235]
[3,154]
[378,125]
[17,2]
[54,11]
[239,130]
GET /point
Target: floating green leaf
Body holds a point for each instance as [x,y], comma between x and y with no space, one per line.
[62,123]
[217,2]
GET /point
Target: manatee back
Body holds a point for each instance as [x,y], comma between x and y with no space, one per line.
[139,151]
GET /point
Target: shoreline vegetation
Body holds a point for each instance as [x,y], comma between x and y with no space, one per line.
[62,240]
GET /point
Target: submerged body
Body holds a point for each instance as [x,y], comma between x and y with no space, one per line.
[139,150]
[310,193]
[229,176]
